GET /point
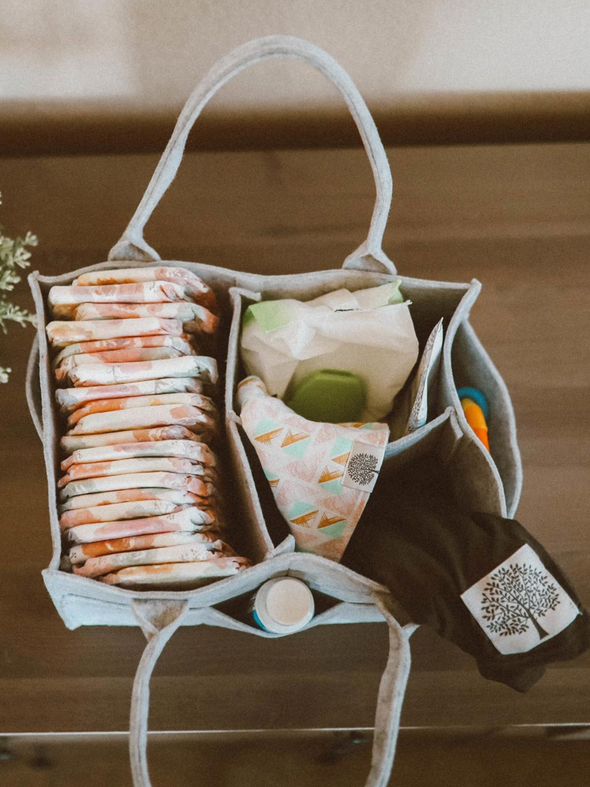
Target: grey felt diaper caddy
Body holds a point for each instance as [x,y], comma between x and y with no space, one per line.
[492,481]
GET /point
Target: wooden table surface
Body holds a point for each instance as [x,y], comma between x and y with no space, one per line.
[517,218]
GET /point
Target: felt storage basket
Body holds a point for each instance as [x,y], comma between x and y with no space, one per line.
[492,481]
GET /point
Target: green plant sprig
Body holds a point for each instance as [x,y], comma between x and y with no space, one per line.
[14,256]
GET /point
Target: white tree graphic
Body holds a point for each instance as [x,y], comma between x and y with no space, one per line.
[516,596]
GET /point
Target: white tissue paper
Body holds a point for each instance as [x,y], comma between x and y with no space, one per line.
[369,333]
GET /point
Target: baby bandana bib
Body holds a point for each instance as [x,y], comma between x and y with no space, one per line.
[320,474]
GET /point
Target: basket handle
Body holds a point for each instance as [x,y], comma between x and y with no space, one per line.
[369,255]
[160,619]
[33,388]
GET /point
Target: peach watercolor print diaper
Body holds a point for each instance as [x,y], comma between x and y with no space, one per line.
[164,480]
[184,449]
[134,509]
[182,553]
[189,519]
[184,344]
[63,299]
[136,418]
[61,333]
[70,399]
[80,553]
[64,370]
[71,443]
[195,318]
[176,496]
[204,403]
[177,575]
[195,286]
[143,464]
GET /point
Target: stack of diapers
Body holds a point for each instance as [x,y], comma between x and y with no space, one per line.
[141,497]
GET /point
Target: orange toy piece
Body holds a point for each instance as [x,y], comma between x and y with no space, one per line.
[476,420]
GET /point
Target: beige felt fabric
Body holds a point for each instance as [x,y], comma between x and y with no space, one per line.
[493,480]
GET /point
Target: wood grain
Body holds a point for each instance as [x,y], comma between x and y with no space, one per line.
[302,760]
[514,217]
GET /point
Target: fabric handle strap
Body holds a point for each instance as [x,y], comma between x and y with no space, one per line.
[160,619]
[369,255]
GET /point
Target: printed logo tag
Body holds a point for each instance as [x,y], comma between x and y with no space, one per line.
[520,604]
[363,465]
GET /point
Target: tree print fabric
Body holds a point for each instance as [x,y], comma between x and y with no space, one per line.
[519,603]
[479,580]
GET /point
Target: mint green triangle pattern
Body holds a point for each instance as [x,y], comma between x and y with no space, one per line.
[332,487]
[341,446]
[334,531]
[298,449]
[266,425]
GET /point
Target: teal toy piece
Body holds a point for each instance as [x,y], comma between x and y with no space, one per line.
[330,396]
[477,396]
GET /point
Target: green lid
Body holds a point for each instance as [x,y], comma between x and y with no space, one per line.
[330,396]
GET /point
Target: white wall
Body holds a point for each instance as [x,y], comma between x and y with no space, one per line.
[149,53]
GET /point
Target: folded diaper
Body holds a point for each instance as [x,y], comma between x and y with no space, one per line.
[137,481]
[63,301]
[134,509]
[147,417]
[185,449]
[64,370]
[181,553]
[189,519]
[133,494]
[147,464]
[177,575]
[193,284]
[200,366]
[181,343]
[203,403]
[195,318]
[69,399]
[71,443]
[62,333]
[80,553]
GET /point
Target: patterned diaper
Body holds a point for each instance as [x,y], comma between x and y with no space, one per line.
[194,286]
[185,449]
